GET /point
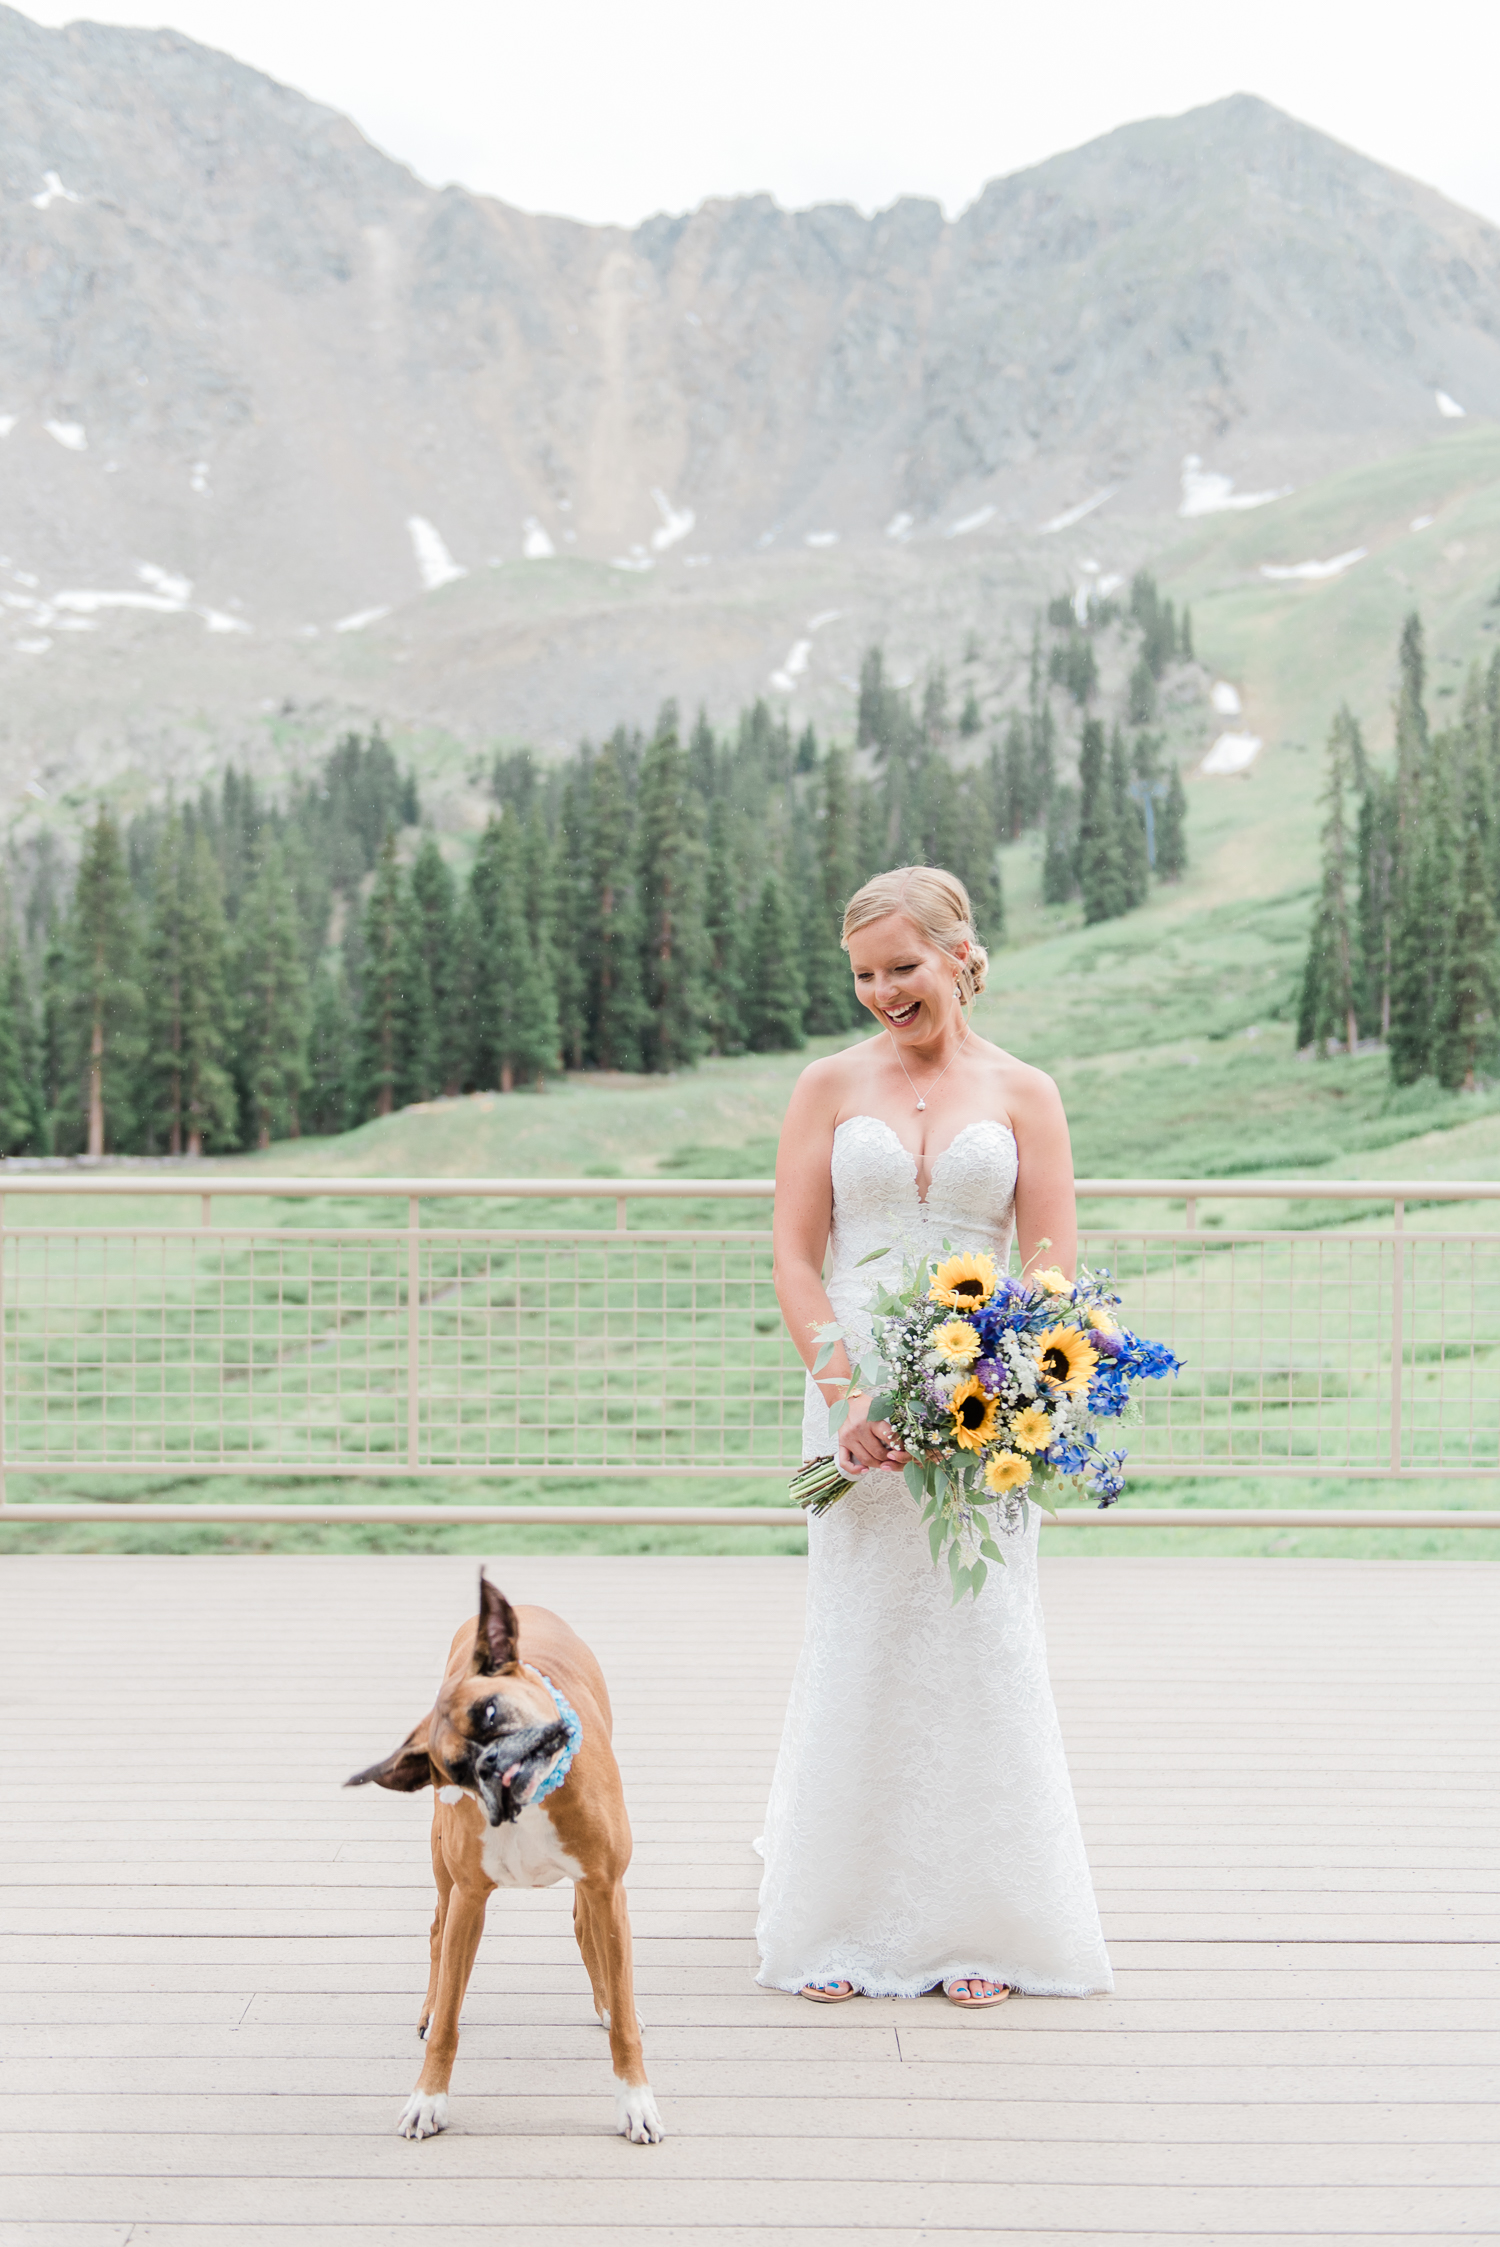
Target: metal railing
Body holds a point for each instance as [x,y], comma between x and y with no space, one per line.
[579,1351]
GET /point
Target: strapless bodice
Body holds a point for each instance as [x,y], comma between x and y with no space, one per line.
[970,1203]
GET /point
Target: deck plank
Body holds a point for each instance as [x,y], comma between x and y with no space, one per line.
[210,1957]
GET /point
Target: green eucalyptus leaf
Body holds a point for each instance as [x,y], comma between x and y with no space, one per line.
[837,1415]
[911,1475]
[873,1258]
[824,1355]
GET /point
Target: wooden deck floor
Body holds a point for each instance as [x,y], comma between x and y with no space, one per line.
[211,1957]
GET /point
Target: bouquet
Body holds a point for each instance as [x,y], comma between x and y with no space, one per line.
[994,1385]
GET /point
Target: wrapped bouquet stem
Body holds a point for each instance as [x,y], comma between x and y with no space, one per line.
[994,1385]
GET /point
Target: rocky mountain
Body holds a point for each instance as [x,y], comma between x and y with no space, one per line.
[260,387]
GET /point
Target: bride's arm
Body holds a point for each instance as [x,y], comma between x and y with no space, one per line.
[804,1211]
[1045,1206]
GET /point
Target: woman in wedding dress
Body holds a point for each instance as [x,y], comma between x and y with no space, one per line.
[921,1829]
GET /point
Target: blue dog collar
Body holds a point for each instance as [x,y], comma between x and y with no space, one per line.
[564,1763]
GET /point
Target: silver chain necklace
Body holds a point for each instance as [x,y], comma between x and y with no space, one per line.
[937,1080]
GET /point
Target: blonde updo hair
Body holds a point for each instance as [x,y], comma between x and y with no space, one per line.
[938,904]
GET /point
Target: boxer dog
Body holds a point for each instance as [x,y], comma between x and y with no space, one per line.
[528,1793]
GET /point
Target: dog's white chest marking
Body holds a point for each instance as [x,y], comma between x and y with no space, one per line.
[527,1853]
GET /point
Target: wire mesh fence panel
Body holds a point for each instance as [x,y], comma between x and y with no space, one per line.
[456,1350]
[1312,1352]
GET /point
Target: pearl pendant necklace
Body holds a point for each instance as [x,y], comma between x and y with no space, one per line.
[937,1080]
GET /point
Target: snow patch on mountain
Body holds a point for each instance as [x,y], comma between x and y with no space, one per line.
[1313,572]
[1449,408]
[53,191]
[1072,515]
[1206,492]
[434,562]
[676,522]
[1232,752]
[71,435]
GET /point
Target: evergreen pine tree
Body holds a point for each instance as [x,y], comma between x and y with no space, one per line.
[1129,824]
[35,1138]
[703,757]
[1014,779]
[1140,695]
[1171,829]
[16,1111]
[777,999]
[670,885]
[569,918]
[515,1013]
[330,1064]
[970,720]
[1376,848]
[434,903]
[1427,867]
[1328,1009]
[1060,855]
[1043,776]
[386,1022]
[272,1005]
[103,999]
[616,1004]
[1470,998]
[725,935]
[1185,635]
[831,1005]
[189,1090]
[1101,870]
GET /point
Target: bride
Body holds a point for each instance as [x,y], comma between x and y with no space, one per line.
[921,1827]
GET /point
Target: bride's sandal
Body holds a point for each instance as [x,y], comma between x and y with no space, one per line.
[959,1991]
[828,1993]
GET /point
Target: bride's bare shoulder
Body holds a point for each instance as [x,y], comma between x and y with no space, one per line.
[824,1084]
[1028,1092]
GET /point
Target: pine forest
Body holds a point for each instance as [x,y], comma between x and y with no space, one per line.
[240,969]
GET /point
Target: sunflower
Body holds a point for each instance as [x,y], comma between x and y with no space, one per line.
[1006,1471]
[956,1341]
[1031,1429]
[963,1282]
[976,1415]
[1064,1360]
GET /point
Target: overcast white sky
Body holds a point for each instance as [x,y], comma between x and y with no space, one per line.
[613,109]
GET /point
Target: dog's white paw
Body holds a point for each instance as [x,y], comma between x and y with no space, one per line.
[604,2018]
[423,2029]
[424,2114]
[636,2117]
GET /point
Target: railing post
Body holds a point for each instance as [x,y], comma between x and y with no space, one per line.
[413,1327]
[1190,1213]
[206,1211]
[621,1207]
[1398,1306]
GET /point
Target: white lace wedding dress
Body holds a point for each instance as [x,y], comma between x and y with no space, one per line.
[921,1822]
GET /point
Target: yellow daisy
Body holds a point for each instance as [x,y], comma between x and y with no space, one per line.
[956,1342]
[1052,1281]
[1006,1471]
[1065,1360]
[976,1415]
[1031,1429]
[1100,1320]
[963,1282]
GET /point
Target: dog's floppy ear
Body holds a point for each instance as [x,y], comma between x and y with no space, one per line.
[497,1635]
[405,1771]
